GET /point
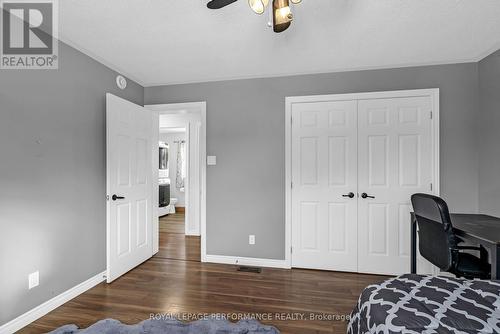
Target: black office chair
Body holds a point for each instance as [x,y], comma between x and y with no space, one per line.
[439,244]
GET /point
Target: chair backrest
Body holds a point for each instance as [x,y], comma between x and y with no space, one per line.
[435,231]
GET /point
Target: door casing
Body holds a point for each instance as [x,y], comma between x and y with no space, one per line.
[432,93]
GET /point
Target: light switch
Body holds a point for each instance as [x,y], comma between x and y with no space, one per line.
[211,160]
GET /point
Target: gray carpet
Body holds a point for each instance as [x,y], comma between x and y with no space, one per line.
[205,326]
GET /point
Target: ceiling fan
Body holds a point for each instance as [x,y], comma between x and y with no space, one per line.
[282,14]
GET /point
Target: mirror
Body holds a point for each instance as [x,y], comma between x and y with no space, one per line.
[163,156]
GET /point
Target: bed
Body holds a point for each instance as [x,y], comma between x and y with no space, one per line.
[428,304]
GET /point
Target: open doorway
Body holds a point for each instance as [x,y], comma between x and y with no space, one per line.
[178,232]
[173,180]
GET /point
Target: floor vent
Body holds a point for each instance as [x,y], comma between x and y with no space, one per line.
[246,269]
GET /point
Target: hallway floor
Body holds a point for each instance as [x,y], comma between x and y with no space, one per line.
[174,244]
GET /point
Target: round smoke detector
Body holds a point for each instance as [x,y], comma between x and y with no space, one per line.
[121,82]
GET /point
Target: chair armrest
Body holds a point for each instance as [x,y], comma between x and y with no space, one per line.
[483,253]
[459,248]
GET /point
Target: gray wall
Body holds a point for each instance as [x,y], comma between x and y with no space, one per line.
[489,135]
[52,177]
[246,130]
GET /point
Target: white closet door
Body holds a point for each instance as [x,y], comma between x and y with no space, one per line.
[395,161]
[324,169]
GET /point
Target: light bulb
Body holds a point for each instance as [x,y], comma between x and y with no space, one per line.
[295,1]
[258,6]
[282,15]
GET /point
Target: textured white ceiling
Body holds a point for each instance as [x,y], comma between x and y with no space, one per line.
[177,41]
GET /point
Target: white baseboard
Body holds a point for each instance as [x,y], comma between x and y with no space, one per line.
[41,310]
[246,261]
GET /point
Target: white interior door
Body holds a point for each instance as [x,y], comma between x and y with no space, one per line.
[324,172]
[129,188]
[394,161]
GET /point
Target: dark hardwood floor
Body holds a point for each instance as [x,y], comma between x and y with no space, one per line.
[180,287]
[173,243]
[175,282]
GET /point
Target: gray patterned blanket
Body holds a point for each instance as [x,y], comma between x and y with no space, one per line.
[428,304]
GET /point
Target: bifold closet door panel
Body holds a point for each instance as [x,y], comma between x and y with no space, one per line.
[394,161]
[324,177]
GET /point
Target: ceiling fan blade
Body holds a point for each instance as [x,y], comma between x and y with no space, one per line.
[217,4]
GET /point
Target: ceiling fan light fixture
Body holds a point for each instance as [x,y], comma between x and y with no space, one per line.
[258,6]
[282,15]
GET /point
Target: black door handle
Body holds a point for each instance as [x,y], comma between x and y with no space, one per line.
[350,195]
[114,197]
[365,195]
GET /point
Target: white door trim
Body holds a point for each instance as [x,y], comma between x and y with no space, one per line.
[172,109]
[433,93]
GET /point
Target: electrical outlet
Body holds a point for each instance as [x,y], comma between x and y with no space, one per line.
[251,239]
[33,280]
